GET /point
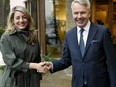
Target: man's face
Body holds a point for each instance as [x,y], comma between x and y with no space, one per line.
[81,14]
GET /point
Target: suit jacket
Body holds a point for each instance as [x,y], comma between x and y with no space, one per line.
[98,64]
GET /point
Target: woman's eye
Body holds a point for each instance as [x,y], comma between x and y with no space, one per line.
[25,17]
[17,17]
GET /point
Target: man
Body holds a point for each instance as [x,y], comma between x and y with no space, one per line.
[96,65]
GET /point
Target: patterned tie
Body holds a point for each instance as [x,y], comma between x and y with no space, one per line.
[82,48]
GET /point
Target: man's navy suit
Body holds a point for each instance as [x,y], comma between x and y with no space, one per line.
[98,64]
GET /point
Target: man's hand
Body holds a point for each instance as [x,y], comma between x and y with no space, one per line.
[42,68]
[49,65]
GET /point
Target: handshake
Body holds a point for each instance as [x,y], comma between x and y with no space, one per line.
[43,67]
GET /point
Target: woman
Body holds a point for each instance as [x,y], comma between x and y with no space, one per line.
[20,50]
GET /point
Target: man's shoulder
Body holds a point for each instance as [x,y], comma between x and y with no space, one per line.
[72,30]
[98,25]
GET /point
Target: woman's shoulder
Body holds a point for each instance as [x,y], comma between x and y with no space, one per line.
[5,36]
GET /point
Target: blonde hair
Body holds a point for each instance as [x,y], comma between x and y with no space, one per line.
[82,2]
[30,27]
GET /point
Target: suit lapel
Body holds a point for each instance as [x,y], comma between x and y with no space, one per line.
[76,45]
[92,33]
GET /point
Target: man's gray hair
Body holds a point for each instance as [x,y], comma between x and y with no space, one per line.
[82,2]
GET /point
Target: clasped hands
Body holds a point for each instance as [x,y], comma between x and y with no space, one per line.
[44,67]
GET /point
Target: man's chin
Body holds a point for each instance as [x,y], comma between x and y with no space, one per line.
[80,25]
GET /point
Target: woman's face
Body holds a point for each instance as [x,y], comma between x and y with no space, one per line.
[20,20]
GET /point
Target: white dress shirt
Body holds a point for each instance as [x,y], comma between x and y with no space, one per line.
[85,33]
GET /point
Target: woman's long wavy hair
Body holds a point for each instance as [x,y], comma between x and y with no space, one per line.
[30,27]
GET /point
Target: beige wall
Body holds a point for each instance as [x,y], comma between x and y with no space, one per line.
[69,19]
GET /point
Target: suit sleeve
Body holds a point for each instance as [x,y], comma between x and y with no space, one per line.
[111,57]
[65,61]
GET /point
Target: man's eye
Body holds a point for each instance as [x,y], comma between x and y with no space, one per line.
[83,13]
[75,13]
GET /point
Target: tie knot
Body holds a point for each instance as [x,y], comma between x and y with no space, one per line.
[81,31]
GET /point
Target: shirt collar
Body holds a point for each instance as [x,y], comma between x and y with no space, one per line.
[16,30]
[86,28]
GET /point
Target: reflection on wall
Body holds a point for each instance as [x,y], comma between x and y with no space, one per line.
[102,14]
[101,17]
[114,20]
[60,9]
[55,22]
[114,23]
[55,19]
[48,9]
[114,13]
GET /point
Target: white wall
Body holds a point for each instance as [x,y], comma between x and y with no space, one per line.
[48,8]
[16,2]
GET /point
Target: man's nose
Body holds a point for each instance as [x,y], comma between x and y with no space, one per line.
[79,15]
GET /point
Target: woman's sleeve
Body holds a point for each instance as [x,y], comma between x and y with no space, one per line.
[10,58]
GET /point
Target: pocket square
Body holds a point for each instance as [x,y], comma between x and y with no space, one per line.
[94,41]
